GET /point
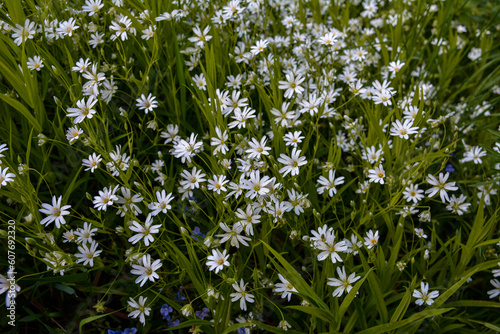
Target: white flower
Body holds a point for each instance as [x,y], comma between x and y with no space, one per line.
[343,282]
[106,198]
[412,193]
[147,103]
[496,272]
[84,110]
[148,33]
[256,185]
[35,63]
[146,270]
[371,239]
[87,254]
[395,66]
[329,247]
[7,286]
[92,6]
[120,28]
[292,163]
[353,245]
[403,130]
[377,174]
[297,201]
[311,105]
[145,231]
[187,310]
[292,85]
[185,150]
[440,186]
[192,179]
[140,310]
[259,46]
[292,139]
[220,141]
[233,235]
[217,260]
[91,87]
[458,205]
[163,203]
[420,233]
[55,212]
[3,147]
[200,37]
[69,236]
[171,134]
[217,184]
[96,39]
[128,202]
[284,325]
[495,292]
[66,28]
[257,148]
[5,177]
[21,33]
[474,154]
[242,295]
[92,162]
[329,184]
[86,233]
[248,217]
[285,287]
[475,54]
[328,39]
[73,134]
[424,296]
[283,117]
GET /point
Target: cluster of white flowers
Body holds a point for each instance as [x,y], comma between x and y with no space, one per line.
[274,144]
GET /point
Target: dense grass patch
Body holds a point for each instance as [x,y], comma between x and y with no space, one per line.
[250,166]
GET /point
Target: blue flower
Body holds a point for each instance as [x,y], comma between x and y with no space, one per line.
[165,311]
[179,297]
[203,313]
[132,330]
[197,231]
[110,331]
[450,168]
[173,323]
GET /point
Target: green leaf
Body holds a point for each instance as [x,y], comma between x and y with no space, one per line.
[376,290]
[90,319]
[56,279]
[23,110]
[405,302]
[190,323]
[65,288]
[314,311]
[411,320]
[351,295]
[474,303]
[236,326]
[304,290]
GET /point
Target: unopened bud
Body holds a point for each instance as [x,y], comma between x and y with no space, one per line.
[30,241]
[57,101]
